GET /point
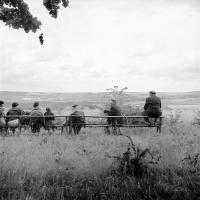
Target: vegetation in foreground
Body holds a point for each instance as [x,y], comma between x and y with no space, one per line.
[146,165]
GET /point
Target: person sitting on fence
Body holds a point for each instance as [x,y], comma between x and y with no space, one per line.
[152,107]
[76,120]
[12,120]
[1,108]
[37,118]
[25,120]
[2,118]
[109,121]
[49,121]
[114,111]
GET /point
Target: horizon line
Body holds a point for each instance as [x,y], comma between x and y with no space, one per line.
[98,91]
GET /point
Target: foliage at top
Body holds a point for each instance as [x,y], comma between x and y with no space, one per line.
[16,14]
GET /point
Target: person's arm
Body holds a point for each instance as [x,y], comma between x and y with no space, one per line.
[53,118]
[19,112]
[112,111]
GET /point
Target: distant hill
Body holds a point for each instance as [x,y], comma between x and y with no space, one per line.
[87,98]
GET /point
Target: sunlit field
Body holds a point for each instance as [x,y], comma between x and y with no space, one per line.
[87,166]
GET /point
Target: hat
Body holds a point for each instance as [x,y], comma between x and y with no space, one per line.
[1,102]
[74,106]
[15,104]
[152,92]
[36,103]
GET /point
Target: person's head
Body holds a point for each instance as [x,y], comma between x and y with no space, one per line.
[35,104]
[1,103]
[113,102]
[48,109]
[14,104]
[152,93]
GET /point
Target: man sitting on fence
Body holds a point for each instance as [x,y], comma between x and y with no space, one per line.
[13,121]
[116,122]
[76,120]
[49,121]
[152,107]
[25,120]
[2,118]
[37,118]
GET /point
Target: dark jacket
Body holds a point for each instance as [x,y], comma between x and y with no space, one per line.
[116,111]
[153,106]
[37,115]
[46,119]
[77,118]
[13,111]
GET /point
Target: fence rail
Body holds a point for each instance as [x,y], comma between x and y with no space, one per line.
[128,123]
[90,116]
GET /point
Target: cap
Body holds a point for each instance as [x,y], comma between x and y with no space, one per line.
[74,106]
[152,92]
[1,102]
[36,103]
[15,104]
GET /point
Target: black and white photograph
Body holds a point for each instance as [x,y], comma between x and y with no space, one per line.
[99,99]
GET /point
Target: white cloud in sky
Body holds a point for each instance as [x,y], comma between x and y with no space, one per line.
[95,44]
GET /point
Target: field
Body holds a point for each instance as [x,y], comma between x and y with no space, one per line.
[94,165]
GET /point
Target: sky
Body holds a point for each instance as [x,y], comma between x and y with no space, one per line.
[97,44]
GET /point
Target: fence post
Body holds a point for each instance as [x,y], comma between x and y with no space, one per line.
[160,125]
[66,125]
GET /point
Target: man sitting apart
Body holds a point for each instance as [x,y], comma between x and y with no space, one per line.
[76,120]
[37,118]
[14,122]
[114,111]
[152,107]
[49,121]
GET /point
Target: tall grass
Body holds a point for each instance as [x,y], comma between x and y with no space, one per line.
[78,167]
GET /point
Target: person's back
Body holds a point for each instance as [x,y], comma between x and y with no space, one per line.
[152,107]
[13,112]
[36,113]
[37,118]
[2,119]
[49,114]
[25,120]
[115,111]
[76,120]
[49,120]
[77,117]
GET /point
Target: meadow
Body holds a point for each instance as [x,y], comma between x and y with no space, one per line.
[139,164]
[87,166]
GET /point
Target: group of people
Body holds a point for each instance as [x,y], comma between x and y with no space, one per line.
[37,120]
[76,121]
